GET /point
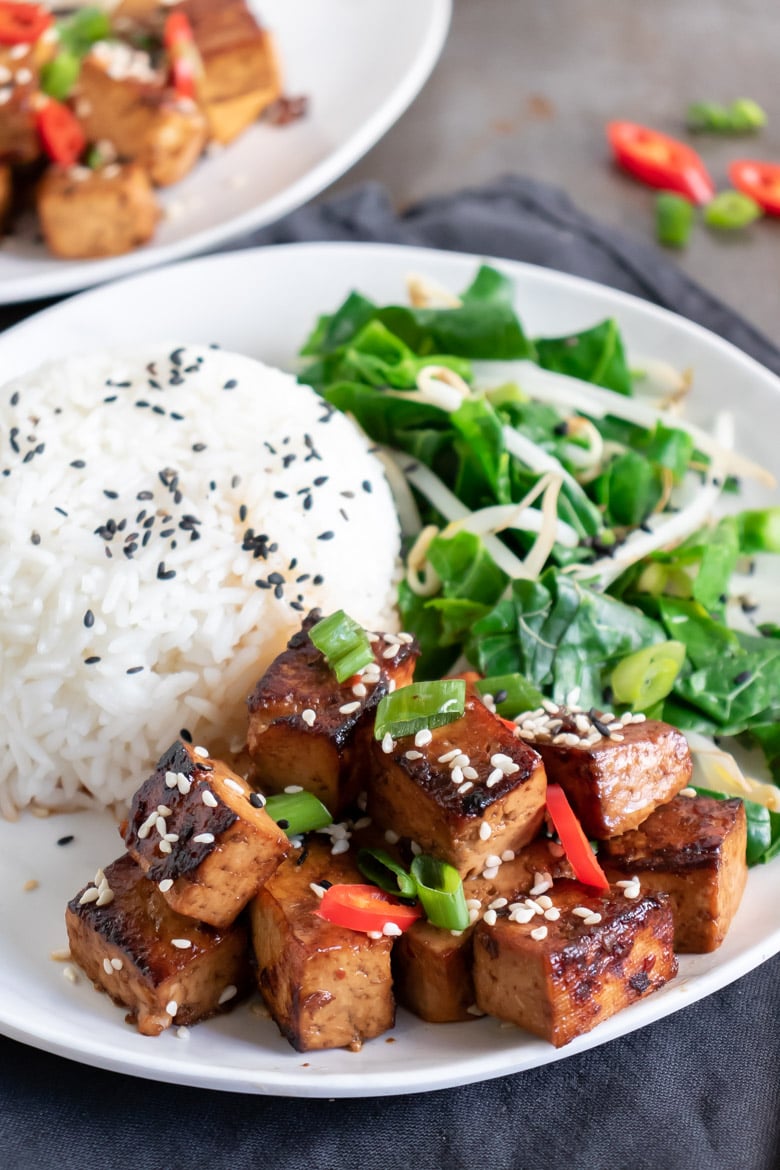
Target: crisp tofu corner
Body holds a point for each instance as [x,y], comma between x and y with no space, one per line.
[560,976]
[163,967]
[325,986]
[88,214]
[692,849]
[195,831]
[465,792]
[306,728]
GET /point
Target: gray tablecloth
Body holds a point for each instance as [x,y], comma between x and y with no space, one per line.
[698,1089]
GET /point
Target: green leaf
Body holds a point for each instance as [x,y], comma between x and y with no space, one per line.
[594,355]
[628,490]
[719,556]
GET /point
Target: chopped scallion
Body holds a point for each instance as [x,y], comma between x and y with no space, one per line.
[645,677]
[344,644]
[420,705]
[380,868]
[301,812]
[673,219]
[731,211]
[440,889]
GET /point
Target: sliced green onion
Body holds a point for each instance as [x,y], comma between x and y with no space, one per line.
[440,889]
[512,693]
[743,116]
[759,530]
[59,75]
[673,219]
[80,31]
[647,676]
[731,210]
[420,705]
[298,812]
[379,867]
[344,644]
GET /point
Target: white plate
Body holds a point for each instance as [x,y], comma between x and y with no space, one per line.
[263,303]
[361,63]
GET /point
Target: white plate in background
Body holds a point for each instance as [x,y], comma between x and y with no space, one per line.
[264,302]
[359,62]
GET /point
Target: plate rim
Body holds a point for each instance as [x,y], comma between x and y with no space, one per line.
[486,1065]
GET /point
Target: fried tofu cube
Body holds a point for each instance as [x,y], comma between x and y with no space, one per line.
[615,781]
[326,986]
[432,967]
[197,835]
[19,141]
[160,965]
[466,794]
[692,849]
[560,977]
[88,214]
[120,100]
[6,194]
[241,74]
[306,728]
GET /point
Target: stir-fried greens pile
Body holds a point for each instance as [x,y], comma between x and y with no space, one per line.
[558,511]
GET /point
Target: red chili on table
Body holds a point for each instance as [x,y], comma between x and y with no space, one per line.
[759,180]
[572,836]
[22,24]
[660,161]
[60,133]
[365,908]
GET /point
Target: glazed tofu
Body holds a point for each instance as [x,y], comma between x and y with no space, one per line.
[306,728]
[560,977]
[692,849]
[613,780]
[197,835]
[326,986]
[466,792]
[19,141]
[6,194]
[432,967]
[160,965]
[122,101]
[241,74]
[87,214]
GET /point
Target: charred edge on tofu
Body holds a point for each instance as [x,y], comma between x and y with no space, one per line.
[700,827]
[196,818]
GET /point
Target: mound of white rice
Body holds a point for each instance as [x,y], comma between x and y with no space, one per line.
[166,520]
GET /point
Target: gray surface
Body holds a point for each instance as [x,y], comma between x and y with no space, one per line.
[528,85]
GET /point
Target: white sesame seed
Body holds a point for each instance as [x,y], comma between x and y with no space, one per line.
[117,964]
[552,914]
[161,826]
[415,848]
[362,823]
[494,777]
[582,911]
[539,933]
[448,756]
[473,1010]
[464,788]
[318,890]
[615,738]
[349,708]
[182,1033]
[490,872]
[423,737]
[390,651]
[392,930]
[639,717]
[521,915]
[183,784]
[109,970]
[412,755]
[308,716]
[493,860]
[171,779]
[460,761]
[508,855]
[70,973]
[105,898]
[230,992]
[388,743]
[391,686]
[485,831]
[498,904]
[473,916]
[165,885]
[18,51]
[61,956]
[181,944]
[544,900]
[592,919]
[456,775]
[530,904]
[473,903]
[687,792]
[204,839]
[201,751]
[374,933]
[164,811]
[294,788]
[89,895]
[632,892]
[171,1007]
[359,690]
[340,846]
[236,787]
[391,837]
[208,798]
[471,773]
[165,846]
[391,639]
[172,837]
[489,918]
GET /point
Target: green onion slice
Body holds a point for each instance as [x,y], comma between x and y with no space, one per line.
[647,676]
[420,705]
[512,693]
[731,211]
[344,644]
[298,812]
[380,868]
[673,219]
[440,889]
[59,75]
[81,30]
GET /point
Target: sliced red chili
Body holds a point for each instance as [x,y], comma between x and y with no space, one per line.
[186,65]
[760,180]
[572,836]
[365,908]
[660,161]
[22,24]
[60,133]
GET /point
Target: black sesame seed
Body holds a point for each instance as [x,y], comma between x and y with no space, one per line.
[292,564]
[145,496]
[320,480]
[175,356]
[235,481]
[280,495]
[326,535]
[154,385]
[744,676]
[297,606]
[166,532]
[307,503]
[111,398]
[35,538]
[257,800]
[12,440]
[601,727]
[242,513]
[199,447]
[288,459]
[91,660]
[366,485]
[66,840]
[276,578]
[30,455]
[89,619]
[142,403]
[304,853]
[110,495]
[185,734]
[501,696]
[278,592]
[318,579]
[230,384]
[78,463]
[61,511]
[15,398]
[325,884]
[261,584]
[158,410]
[134,670]
[283,824]
[164,574]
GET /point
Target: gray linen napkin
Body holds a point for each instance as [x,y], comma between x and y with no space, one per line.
[698,1089]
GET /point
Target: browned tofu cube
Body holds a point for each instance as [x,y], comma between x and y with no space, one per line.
[613,778]
[6,194]
[161,966]
[466,792]
[692,849]
[241,74]
[120,103]
[87,214]
[325,986]
[19,141]
[197,835]
[433,967]
[306,728]
[559,977]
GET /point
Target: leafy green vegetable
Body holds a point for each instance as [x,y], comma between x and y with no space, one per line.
[763,828]
[82,29]
[594,355]
[511,694]
[759,531]
[629,490]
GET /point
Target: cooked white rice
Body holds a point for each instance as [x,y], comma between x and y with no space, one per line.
[166,520]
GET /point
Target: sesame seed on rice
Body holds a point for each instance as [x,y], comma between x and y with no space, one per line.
[230,992]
